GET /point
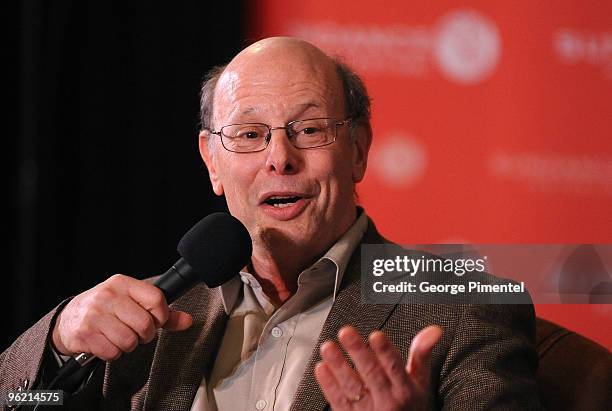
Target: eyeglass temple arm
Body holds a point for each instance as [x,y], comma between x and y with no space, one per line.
[211,131]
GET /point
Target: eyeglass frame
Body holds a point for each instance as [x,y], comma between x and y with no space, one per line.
[287,129]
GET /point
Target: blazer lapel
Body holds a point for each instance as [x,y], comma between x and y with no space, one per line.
[181,359]
[347,309]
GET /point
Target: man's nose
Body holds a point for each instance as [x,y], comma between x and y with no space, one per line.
[283,156]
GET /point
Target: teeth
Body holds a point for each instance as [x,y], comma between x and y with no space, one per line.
[282,201]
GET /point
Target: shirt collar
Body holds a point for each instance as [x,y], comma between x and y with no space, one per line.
[318,278]
[340,253]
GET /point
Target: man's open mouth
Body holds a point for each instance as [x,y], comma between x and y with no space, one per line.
[282,201]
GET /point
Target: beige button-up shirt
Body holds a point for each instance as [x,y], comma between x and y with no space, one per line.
[264,351]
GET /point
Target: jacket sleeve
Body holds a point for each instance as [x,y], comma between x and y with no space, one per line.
[29,364]
[22,364]
[491,363]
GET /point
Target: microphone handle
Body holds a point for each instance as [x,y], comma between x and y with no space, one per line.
[177,280]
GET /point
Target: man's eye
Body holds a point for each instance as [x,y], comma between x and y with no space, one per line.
[248,134]
[310,130]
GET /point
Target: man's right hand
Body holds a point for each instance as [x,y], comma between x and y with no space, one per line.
[114,317]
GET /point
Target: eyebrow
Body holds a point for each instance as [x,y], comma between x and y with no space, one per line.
[305,106]
[300,108]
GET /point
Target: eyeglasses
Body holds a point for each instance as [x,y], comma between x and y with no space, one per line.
[253,137]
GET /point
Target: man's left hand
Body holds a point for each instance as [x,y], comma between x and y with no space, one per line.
[380,380]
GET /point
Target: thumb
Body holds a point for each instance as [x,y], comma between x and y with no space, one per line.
[420,353]
[178,321]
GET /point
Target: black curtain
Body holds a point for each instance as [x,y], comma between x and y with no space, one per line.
[105,173]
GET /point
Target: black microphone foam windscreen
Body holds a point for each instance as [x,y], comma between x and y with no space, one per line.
[217,248]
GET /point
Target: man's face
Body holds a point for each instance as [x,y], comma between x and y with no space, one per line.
[313,189]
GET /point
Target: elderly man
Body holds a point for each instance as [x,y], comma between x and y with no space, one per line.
[285,137]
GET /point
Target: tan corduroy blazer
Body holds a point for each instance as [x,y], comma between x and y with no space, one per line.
[485,360]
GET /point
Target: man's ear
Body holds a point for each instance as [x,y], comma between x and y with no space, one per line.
[362,139]
[208,158]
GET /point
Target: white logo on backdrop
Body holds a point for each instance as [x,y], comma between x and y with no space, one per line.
[559,173]
[399,160]
[575,47]
[464,46]
[467,47]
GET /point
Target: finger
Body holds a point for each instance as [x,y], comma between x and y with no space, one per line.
[178,321]
[101,347]
[391,361]
[150,298]
[347,378]
[137,318]
[119,334]
[370,371]
[331,388]
[418,366]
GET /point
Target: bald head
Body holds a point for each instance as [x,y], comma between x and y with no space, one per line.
[282,59]
[293,53]
[279,70]
[281,48]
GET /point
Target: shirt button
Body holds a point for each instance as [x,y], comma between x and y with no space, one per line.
[261,404]
[277,332]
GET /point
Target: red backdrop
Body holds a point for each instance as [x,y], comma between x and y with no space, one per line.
[492,120]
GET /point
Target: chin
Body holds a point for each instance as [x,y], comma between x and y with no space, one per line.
[282,234]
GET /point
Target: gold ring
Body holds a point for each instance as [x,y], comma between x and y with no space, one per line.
[362,392]
[356,398]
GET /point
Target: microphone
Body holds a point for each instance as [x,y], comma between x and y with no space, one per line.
[212,251]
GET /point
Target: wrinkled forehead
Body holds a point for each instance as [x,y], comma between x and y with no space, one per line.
[278,68]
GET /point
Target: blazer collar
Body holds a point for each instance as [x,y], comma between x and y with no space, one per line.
[177,368]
